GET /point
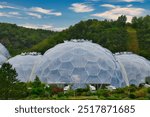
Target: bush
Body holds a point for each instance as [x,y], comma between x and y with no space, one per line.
[132,96]
[141,93]
[148,90]
[103,92]
[70,93]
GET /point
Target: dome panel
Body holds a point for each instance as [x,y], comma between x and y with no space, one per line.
[92,68]
[136,67]
[4,51]
[79,75]
[93,80]
[25,66]
[2,59]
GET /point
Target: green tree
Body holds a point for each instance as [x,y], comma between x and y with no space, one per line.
[10,87]
[122,20]
[37,88]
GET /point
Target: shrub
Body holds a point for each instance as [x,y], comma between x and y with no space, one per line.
[132,96]
[141,93]
[148,90]
[103,92]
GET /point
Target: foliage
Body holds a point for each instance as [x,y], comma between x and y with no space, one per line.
[18,39]
[38,89]
[10,87]
[142,25]
[105,33]
[116,35]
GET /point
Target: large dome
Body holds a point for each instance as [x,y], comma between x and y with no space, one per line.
[25,65]
[4,51]
[136,67]
[80,62]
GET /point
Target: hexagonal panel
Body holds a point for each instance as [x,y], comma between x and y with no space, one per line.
[90,57]
[115,82]
[105,77]
[68,56]
[79,62]
[92,68]
[53,65]
[106,64]
[93,80]
[79,75]
[65,80]
[66,66]
[53,77]
[79,51]
[66,73]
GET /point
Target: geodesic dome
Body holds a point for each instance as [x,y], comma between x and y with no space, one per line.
[25,66]
[2,59]
[137,68]
[79,62]
[4,51]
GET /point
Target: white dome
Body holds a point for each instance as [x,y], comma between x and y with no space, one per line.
[2,59]
[136,67]
[4,51]
[25,66]
[79,62]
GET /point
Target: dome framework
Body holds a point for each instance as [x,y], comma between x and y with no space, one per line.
[80,62]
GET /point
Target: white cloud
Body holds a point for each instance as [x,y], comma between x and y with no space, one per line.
[115,12]
[130,5]
[33,26]
[45,11]
[10,14]
[34,15]
[130,0]
[44,27]
[93,0]
[81,8]
[2,6]
[14,13]
[108,5]
[59,28]
[4,14]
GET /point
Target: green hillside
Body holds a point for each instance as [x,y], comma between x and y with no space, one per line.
[109,34]
[116,35]
[18,39]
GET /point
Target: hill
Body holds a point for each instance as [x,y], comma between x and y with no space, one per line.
[18,39]
[116,35]
[106,33]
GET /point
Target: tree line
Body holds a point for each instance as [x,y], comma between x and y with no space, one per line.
[116,35]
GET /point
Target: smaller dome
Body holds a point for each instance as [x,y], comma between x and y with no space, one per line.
[25,66]
[137,68]
[4,51]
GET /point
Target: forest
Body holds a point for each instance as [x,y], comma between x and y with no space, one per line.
[116,35]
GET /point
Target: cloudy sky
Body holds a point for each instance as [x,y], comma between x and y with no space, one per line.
[60,14]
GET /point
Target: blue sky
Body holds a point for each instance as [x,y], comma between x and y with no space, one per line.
[60,14]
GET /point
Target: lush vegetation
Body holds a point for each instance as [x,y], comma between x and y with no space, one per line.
[115,35]
[18,39]
[142,26]
[11,88]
